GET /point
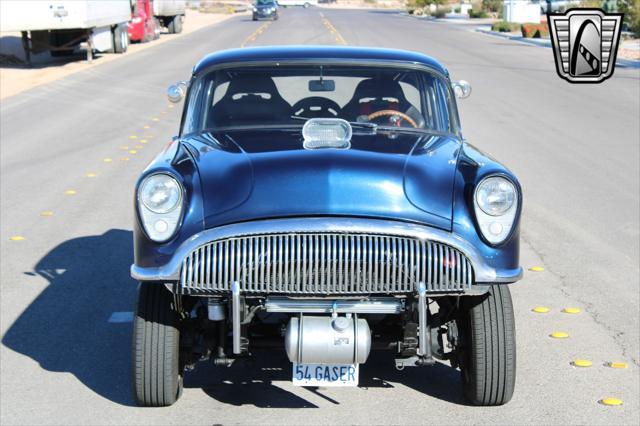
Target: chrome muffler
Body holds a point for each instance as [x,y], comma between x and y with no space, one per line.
[328,339]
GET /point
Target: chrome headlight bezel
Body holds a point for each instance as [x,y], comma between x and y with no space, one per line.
[160,225]
[496,227]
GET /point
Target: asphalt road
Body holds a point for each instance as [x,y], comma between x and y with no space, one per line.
[66,294]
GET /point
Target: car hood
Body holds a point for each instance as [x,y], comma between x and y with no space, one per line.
[248,175]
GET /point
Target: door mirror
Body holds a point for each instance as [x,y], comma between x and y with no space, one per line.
[461,88]
[176,92]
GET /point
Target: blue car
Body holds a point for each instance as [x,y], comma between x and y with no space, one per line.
[323,201]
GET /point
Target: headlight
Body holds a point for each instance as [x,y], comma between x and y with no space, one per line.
[160,206]
[496,205]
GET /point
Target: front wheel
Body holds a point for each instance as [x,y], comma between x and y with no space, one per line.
[157,374]
[488,348]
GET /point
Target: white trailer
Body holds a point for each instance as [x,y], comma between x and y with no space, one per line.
[59,26]
[170,13]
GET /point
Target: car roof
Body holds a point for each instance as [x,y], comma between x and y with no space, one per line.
[328,53]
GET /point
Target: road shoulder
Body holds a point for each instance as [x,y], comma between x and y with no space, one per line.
[15,79]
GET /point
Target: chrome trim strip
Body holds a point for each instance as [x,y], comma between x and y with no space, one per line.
[373,305]
[483,272]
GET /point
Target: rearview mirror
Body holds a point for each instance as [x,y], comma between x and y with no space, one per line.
[177,91]
[461,88]
[322,85]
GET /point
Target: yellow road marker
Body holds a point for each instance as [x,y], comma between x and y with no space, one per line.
[559,335]
[155,119]
[46,213]
[169,106]
[133,151]
[582,363]
[133,137]
[146,126]
[617,364]
[143,141]
[138,147]
[251,37]
[90,175]
[70,192]
[571,310]
[124,158]
[124,147]
[16,238]
[107,160]
[536,269]
[610,401]
[163,112]
[540,309]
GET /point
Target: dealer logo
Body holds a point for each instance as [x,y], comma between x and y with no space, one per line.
[585,42]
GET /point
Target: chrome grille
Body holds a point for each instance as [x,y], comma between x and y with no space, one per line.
[325,263]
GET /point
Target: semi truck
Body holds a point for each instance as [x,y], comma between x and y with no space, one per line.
[170,13]
[148,16]
[59,26]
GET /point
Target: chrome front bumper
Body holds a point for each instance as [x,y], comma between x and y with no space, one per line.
[177,267]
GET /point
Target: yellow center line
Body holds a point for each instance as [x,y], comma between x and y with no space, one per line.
[334,31]
[256,33]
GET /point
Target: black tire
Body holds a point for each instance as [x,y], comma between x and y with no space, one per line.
[120,39]
[157,374]
[177,24]
[488,362]
[157,30]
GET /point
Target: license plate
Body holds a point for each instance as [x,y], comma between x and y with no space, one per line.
[325,374]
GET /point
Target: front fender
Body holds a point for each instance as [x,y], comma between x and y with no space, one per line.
[472,167]
[178,161]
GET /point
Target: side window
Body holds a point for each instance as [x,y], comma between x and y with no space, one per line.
[430,104]
[191,117]
[448,122]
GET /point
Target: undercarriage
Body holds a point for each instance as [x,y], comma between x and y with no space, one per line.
[326,338]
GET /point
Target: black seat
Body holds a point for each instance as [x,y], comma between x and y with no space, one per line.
[251,99]
[375,94]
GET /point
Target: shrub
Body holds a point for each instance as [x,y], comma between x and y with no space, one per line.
[492,5]
[631,10]
[439,13]
[535,30]
[477,14]
[505,27]
[457,10]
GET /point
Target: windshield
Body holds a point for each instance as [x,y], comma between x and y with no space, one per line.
[265,3]
[282,95]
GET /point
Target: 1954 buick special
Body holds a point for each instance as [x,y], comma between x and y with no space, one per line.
[323,201]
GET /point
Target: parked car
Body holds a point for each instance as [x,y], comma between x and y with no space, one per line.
[303,3]
[265,9]
[323,200]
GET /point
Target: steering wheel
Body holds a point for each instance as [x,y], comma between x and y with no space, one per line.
[391,113]
[316,107]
